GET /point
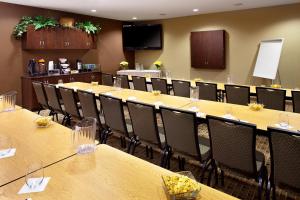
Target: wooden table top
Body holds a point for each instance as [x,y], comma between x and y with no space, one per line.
[150,98]
[106,174]
[97,89]
[48,145]
[262,118]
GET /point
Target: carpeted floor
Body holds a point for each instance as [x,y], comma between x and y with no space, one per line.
[242,188]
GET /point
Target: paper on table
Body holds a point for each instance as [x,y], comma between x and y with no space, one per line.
[5,153]
[132,98]
[228,116]
[41,187]
[283,127]
[89,90]
[108,93]
[201,114]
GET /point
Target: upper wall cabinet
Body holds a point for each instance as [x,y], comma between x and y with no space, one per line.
[208,49]
[58,38]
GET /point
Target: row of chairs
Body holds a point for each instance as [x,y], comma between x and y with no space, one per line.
[236,94]
[231,143]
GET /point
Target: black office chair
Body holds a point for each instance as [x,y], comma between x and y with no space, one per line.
[285,163]
[181,88]
[296,101]
[144,126]
[181,132]
[139,83]
[232,146]
[107,79]
[237,94]
[41,96]
[271,98]
[207,91]
[124,81]
[160,84]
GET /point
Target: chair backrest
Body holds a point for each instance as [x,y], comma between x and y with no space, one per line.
[271,98]
[139,83]
[113,113]
[144,122]
[181,88]
[89,105]
[69,98]
[160,84]
[285,162]
[296,101]
[40,94]
[53,97]
[181,130]
[233,144]
[237,94]
[207,91]
[107,79]
[124,81]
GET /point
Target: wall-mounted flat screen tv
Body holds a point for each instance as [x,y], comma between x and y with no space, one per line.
[142,37]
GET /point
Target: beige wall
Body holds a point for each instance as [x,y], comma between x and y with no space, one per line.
[245,29]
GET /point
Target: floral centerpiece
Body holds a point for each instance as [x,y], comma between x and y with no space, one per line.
[158,64]
[124,65]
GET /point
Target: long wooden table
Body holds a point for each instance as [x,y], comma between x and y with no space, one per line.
[106,174]
[32,144]
[262,119]
[220,86]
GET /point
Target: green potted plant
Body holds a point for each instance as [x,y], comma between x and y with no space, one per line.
[88,27]
[124,65]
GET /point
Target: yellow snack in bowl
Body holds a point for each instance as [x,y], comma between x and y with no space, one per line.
[180,184]
[156,92]
[275,86]
[255,106]
[43,121]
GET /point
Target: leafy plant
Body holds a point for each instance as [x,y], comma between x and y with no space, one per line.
[88,27]
[21,27]
[41,22]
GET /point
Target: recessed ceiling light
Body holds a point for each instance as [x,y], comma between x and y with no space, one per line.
[134,18]
[195,10]
[93,10]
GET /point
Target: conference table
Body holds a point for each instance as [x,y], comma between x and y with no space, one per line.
[107,173]
[33,144]
[262,119]
[220,86]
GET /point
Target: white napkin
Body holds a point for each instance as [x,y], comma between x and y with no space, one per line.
[193,108]
[157,104]
[201,114]
[198,114]
[108,93]
[5,153]
[39,188]
[283,126]
[89,90]
[228,116]
[132,98]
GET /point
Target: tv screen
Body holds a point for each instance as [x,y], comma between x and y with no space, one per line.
[139,37]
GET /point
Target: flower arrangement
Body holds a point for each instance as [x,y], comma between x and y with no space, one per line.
[124,65]
[158,64]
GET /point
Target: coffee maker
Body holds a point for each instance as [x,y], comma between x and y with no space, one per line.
[64,66]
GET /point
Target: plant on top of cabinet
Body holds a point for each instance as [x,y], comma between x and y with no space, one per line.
[39,22]
[88,27]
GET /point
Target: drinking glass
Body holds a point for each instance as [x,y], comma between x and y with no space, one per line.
[117,82]
[34,174]
[229,112]
[8,101]
[194,93]
[84,135]
[283,120]
[5,145]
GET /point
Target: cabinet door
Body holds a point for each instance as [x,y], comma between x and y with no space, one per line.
[34,39]
[49,38]
[198,49]
[216,50]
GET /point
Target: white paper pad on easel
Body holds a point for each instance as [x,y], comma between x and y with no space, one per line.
[5,153]
[41,187]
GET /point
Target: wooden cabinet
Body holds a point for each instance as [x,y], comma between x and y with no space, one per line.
[58,38]
[208,49]
[29,100]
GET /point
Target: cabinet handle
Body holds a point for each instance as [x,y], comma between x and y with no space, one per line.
[40,42]
[88,44]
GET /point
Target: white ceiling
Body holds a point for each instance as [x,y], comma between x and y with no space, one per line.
[125,10]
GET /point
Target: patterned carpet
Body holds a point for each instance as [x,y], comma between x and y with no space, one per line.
[235,185]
